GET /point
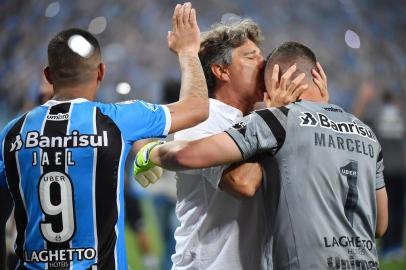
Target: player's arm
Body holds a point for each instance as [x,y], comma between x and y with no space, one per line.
[182,155]
[184,40]
[242,179]
[258,132]
[382,212]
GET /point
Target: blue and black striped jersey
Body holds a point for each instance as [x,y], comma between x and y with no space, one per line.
[63,163]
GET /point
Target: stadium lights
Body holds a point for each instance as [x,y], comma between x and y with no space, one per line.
[123,88]
[352,39]
[97,25]
[52,9]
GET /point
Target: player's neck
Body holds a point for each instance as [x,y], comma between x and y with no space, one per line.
[312,94]
[86,90]
[229,97]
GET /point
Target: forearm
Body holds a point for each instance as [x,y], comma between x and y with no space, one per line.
[193,80]
[193,105]
[207,152]
[166,155]
[242,179]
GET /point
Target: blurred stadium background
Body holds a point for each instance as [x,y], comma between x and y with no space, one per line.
[361,45]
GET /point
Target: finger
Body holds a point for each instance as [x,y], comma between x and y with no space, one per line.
[319,83]
[174,18]
[157,171]
[294,84]
[299,91]
[274,78]
[322,88]
[186,13]
[321,71]
[286,77]
[150,176]
[192,18]
[142,180]
[179,17]
[316,74]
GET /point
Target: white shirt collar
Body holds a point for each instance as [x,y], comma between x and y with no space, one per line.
[227,110]
[53,102]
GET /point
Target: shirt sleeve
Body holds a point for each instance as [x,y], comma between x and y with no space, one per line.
[261,131]
[139,119]
[380,181]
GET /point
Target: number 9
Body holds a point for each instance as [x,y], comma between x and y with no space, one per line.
[65,207]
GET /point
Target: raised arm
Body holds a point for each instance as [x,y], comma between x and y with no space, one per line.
[184,40]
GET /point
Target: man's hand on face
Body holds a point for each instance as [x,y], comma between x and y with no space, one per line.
[320,79]
[285,90]
[185,34]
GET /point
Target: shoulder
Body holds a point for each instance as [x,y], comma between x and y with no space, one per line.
[12,123]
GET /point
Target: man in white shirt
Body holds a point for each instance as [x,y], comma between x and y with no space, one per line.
[218,230]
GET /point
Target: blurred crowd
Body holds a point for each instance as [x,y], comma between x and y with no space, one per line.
[133,38]
[359,43]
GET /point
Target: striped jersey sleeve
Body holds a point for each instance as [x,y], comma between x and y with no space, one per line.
[380,182]
[261,131]
[139,119]
[3,181]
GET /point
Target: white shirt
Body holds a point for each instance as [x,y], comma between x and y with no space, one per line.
[217,231]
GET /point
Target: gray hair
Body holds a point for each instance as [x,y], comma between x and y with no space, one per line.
[217,44]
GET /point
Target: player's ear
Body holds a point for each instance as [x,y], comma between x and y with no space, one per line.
[47,74]
[101,72]
[220,72]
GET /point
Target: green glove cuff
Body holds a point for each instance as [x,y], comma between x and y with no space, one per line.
[142,160]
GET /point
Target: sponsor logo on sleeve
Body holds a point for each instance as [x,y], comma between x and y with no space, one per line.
[150,106]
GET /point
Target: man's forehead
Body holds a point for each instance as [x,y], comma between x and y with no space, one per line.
[248,47]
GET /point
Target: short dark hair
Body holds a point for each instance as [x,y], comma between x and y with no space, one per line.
[218,43]
[68,63]
[289,53]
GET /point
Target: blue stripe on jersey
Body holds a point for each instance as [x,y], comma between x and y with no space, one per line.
[30,176]
[82,176]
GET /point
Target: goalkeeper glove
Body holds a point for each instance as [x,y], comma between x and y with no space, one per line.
[145,171]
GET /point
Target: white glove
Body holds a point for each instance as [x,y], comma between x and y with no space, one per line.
[149,177]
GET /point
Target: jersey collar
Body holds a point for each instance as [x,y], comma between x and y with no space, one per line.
[53,102]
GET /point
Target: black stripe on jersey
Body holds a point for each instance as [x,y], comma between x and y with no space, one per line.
[108,159]
[380,156]
[275,126]
[51,129]
[352,196]
[284,110]
[13,181]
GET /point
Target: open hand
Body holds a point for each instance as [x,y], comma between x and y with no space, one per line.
[185,34]
[285,90]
